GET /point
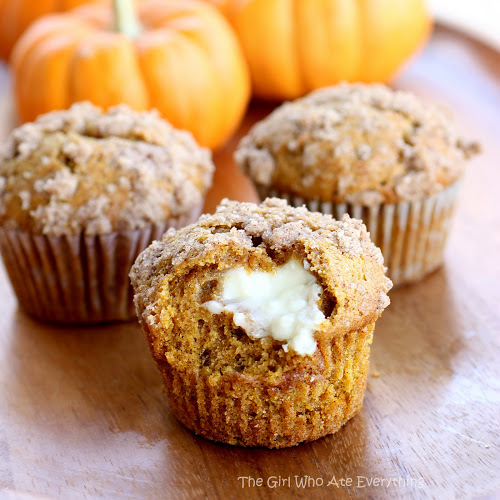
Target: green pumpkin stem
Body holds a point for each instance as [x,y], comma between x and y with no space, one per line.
[125,18]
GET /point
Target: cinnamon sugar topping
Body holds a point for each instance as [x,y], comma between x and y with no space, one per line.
[87,170]
[355,143]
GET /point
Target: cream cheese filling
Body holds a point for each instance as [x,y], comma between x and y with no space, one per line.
[282,304]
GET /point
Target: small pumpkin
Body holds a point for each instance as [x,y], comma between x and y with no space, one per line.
[178,56]
[295,46]
[17,15]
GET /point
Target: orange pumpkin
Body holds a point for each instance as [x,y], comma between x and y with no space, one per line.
[295,46]
[17,15]
[178,56]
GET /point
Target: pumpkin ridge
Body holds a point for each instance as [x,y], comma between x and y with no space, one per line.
[196,42]
[296,48]
[64,55]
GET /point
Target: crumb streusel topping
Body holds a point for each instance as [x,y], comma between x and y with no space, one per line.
[355,143]
[87,170]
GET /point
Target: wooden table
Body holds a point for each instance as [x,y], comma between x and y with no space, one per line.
[82,412]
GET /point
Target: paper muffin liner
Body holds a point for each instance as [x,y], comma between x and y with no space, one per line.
[412,235]
[246,411]
[78,279]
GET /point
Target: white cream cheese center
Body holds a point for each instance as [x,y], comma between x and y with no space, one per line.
[282,304]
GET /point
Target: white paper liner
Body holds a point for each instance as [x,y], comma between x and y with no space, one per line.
[411,235]
[78,279]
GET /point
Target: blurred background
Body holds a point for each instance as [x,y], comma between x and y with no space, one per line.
[479,18]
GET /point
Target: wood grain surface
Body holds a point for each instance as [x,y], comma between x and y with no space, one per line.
[82,414]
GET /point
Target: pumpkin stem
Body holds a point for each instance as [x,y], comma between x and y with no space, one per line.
[125,18]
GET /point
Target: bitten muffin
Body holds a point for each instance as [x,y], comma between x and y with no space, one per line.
[260,319]
[82,193]
[377,154]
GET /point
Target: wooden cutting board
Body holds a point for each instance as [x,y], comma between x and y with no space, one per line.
[82,414]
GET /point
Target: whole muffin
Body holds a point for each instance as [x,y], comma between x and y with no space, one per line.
[377,154]
[260,319]
[82,193]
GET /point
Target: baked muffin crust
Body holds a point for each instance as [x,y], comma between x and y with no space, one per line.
[87,170]
[355,143]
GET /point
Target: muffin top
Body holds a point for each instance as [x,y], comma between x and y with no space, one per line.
[355,143]
[179,278]
[85,170]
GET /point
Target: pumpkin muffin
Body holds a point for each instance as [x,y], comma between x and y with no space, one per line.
[82,193]
[260,319]
[377,154]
